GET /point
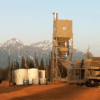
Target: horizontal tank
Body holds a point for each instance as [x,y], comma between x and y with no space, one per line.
[33,74]
[20,75]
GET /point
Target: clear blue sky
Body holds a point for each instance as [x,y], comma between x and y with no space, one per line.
[32,20]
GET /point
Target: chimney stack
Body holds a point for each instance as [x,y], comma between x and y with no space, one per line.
[55,15]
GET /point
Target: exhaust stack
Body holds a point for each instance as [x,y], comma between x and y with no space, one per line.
[55,15]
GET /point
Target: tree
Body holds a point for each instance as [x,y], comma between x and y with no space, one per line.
[1,73]
[14,67]
[31,65]
[17,65]
[5,73]
[27,63]
[49,67]
[23,61]
[47,71]
[41,64]
[36,61]
[9,70]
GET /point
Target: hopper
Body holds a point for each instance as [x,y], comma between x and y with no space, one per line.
[63,51]
[63,28]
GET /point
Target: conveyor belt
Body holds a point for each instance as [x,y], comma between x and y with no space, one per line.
[66,64]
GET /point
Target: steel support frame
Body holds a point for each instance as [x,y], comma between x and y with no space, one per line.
[74,75]
[54,66]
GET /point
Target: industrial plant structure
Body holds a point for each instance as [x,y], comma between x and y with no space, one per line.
[85,71]
[62,44]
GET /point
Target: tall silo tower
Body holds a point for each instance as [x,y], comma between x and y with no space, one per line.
[62,43]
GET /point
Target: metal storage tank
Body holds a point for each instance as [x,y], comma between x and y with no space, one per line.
[41,73]
[20,75]
[33,74]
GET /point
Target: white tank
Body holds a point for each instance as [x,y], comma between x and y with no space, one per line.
[20,75]
[33,76]
[41,73]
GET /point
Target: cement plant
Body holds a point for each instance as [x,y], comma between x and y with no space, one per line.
[62,73]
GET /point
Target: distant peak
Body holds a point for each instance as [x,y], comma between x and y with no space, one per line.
[45,41]
[13,39]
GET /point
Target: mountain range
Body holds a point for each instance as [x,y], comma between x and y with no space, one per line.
[15,48]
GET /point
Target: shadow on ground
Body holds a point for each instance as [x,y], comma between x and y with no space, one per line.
[7,89]
[59,93]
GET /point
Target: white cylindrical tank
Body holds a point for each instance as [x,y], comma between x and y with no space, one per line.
[20,75]
[41,73]
[33,76]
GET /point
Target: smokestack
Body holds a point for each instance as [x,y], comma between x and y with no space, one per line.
[55,15]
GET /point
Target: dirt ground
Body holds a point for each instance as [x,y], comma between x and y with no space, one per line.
[58,91]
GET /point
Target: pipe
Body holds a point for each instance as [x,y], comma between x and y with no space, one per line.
[55,15]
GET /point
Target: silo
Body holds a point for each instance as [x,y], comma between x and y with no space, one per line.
[20,75]
[33,76]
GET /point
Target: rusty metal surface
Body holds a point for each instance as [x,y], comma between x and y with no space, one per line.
[96,59]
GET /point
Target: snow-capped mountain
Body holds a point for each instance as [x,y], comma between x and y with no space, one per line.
[1,44]
[15,48]
[45,45]
[14,43]
[77,50]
